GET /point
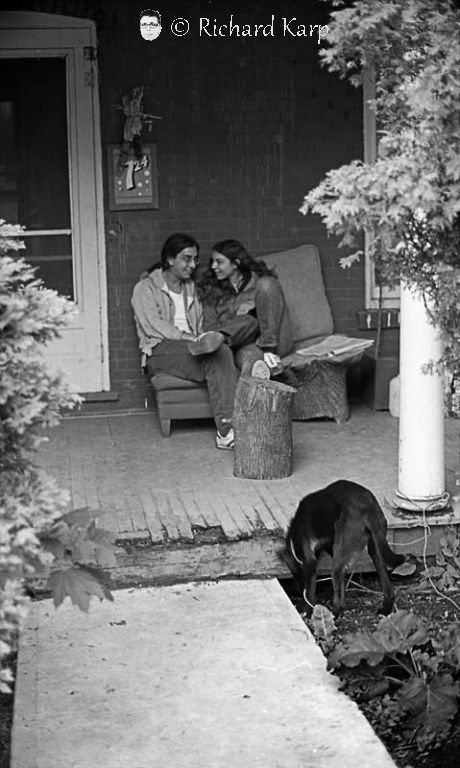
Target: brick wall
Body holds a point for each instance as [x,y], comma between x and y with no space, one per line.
[249,125]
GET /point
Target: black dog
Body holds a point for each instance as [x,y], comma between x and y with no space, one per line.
[340,520]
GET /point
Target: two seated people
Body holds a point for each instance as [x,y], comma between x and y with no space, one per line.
[228,321]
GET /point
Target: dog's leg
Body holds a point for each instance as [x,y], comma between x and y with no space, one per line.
[348,541]
[340,557]
[338,585]
[381,568]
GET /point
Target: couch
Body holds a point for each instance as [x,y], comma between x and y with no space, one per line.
[320,384]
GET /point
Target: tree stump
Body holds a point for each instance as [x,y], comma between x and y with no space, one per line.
[262,420]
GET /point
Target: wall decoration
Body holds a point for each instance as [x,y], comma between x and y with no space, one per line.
[135,118]
[133,182]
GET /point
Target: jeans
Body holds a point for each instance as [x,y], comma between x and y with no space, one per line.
[272,316]
[218,369]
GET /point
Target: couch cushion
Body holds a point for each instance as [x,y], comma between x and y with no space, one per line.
[299,272]
[162,381]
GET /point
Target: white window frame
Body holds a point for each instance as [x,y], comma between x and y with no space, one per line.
[390,296]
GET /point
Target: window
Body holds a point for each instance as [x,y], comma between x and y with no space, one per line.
[390,296]
[34,174]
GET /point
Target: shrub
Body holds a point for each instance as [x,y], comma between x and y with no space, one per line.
[36,530]
[405,678]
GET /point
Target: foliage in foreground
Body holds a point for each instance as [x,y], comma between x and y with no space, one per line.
[444,575]
[406,679]
[36,531]
[408,201]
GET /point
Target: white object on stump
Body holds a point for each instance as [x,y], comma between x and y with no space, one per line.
[262,422]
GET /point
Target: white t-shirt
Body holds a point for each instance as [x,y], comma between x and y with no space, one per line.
[180,317]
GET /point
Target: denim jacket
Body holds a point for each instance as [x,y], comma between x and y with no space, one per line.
[230,305]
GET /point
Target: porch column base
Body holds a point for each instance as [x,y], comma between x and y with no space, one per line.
[421,504]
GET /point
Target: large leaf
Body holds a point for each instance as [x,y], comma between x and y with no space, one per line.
[435,571]
[448,582]
[52,544]
[323,624]
[450,544]
[431,706]
[104,550]
[406,569]
[401,631]
[364,685]
[426,662]
[80,516]
[79,585]
[394,635]
[355,648]
[92,546]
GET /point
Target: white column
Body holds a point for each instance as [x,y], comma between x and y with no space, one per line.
[421,416]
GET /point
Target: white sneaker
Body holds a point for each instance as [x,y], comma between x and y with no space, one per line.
[226,443]
[260,370]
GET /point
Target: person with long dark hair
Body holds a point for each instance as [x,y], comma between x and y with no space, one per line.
[169,323]
[235,284]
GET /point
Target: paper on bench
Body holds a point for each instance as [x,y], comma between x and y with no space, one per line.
[335,345]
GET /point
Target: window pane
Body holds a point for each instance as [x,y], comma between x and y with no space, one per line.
[52,254]
[34,173]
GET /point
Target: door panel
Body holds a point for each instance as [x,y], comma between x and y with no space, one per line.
[50,175]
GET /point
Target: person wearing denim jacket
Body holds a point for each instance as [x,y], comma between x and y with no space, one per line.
[233,285]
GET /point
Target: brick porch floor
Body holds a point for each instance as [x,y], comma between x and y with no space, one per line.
[178,512]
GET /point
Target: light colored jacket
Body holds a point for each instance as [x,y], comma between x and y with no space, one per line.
[154,311]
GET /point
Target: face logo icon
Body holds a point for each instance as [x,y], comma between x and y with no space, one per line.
[150,25]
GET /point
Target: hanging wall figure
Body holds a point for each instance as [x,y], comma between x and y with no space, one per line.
[132,128]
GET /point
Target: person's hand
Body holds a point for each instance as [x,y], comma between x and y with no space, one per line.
[245,307]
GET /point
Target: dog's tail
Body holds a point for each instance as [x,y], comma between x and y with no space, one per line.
[392,560]
[377,526]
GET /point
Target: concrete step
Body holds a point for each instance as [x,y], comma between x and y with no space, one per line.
[195,675]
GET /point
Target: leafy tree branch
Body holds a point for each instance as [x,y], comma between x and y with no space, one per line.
[408,201]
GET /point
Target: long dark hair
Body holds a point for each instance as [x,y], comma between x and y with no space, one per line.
[171,247]
[210,288]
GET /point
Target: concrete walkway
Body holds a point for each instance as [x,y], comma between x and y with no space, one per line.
[209,675]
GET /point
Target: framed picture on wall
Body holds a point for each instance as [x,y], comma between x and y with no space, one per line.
[133,182]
